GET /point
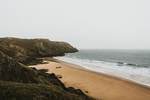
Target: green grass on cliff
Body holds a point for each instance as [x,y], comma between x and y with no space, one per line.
[34,47]
[22,91]
[19,82]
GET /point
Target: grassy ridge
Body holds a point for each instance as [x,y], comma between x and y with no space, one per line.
[19,82]
[34,47]
[22,91]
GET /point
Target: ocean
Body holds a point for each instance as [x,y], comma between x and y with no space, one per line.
[133,65]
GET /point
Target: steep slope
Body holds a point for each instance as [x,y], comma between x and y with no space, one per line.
[20,91]
[34,47]
[19,82]
[11,70]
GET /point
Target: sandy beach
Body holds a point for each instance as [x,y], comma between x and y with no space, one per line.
[97,85]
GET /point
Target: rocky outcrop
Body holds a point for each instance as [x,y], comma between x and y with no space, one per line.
[34,47]
[11,70]
[14,75]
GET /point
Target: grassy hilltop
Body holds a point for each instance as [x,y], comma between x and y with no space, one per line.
[34,47]
[27,50]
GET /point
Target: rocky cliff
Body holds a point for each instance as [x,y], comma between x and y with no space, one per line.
[19,82]
[15,47]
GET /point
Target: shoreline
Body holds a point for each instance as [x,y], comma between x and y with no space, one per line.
[95,84]
[82,68]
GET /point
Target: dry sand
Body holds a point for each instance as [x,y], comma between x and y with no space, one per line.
[95,84]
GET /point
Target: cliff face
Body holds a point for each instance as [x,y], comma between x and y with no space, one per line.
[41,86]
[34,47]
[11,70]
[20,82]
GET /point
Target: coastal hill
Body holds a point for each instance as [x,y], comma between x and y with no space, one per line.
[34,47]
[19,82]
[26,51]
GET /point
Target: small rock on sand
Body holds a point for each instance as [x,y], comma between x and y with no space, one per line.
[59,76]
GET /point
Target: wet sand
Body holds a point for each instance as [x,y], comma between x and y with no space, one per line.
[97,85]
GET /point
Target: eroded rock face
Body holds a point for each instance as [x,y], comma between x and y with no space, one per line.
[34,47]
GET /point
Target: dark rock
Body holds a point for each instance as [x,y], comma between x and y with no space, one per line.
[34,68]
[86,92]
[53,79]
[45,62]
[43,70]
[75,91]
[58,67]
[79,92]
[59,76]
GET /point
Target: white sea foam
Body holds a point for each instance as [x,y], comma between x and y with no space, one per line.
[140,75]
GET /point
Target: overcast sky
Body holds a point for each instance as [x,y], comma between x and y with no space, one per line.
[85,24]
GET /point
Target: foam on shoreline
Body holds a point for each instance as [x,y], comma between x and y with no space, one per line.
[140,75]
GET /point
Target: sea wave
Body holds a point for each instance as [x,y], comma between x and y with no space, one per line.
[120,69]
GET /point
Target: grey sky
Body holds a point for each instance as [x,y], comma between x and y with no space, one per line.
[92,24]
